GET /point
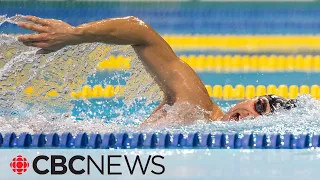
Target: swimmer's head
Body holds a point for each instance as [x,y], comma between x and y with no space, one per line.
[262,105]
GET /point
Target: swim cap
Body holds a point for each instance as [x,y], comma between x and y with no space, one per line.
[277,102]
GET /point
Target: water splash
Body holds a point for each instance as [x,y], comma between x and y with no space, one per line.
[140,83]
[59,123]
[2,19]
[303,119]
[13,19]
[63,71]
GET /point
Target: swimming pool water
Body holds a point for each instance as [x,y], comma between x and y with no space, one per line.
[106,115]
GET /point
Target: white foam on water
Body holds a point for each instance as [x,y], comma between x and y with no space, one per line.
[58,124]
[305,118]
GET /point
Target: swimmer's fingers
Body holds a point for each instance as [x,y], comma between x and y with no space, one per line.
[33,27]
[33,37]
[38,20]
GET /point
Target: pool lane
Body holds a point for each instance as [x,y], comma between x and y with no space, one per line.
[212,78]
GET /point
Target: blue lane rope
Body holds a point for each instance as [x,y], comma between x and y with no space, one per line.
[159,141]
[1,140]
[9,140]
[53,140]
[38,140]
[96,141]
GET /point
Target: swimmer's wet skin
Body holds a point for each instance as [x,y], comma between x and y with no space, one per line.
[177,80]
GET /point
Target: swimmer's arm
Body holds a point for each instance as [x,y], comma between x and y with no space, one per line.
[175,77]
[178,81]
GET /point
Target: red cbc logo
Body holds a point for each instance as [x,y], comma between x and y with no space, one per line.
[19,164]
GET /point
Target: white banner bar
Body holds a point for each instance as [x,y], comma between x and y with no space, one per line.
[17,164]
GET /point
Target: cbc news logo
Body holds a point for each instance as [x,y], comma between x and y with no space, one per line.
[104,164]
[19,164]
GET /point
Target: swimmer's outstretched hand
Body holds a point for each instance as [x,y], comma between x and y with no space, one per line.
[52,34]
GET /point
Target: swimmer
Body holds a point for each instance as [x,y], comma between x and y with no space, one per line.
[178,81]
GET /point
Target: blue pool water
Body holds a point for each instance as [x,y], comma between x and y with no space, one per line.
[184,17]
[213,78]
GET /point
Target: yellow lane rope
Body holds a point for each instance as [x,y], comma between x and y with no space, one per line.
[236,63]
[248,43]
[245,43]
[226,92]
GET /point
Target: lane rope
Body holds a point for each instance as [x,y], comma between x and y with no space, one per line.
[248,43]
[229,63]
[159,141]
[226,92]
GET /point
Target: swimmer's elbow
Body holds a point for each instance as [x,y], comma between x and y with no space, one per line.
[129,30]
[136,21]
[141,28]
